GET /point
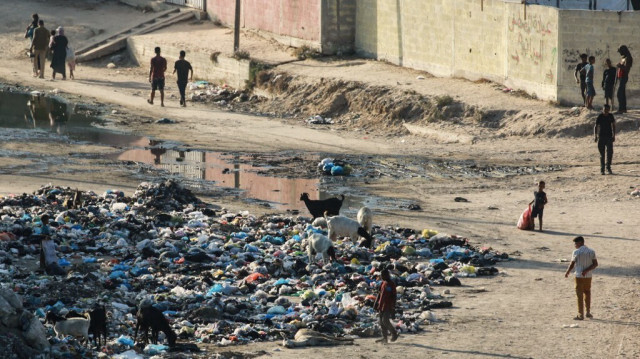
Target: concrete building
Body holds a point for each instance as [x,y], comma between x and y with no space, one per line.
[325,25]
[532,46]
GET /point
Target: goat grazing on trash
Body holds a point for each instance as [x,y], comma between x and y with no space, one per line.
[152,317]
[341,226]
[319,243]
[75,327]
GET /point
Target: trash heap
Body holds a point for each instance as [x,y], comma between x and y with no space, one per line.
[203,91]
[219,277]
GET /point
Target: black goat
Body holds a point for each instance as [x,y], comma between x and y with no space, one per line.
[153,317]
[98,324]
[317,208]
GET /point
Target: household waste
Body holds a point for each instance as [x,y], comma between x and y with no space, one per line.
[220,277]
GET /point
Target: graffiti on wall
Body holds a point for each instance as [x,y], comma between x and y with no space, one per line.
[532,45]
[534,24]
[571,57]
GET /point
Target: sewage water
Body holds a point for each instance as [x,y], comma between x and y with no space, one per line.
[58,120]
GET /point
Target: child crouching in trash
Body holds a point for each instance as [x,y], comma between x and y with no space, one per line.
[386,305]
[48,256]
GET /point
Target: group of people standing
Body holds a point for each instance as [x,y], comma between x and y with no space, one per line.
[612,76]
[53,43]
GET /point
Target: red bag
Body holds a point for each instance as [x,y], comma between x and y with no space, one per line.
[526,221]
[620,72]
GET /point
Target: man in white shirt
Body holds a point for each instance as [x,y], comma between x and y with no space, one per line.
[584,260]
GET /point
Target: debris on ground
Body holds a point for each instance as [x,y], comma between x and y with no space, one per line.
[221,278]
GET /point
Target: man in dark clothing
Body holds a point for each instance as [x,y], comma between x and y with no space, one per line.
[605,134]
[624,66]
[183,67]
[582,79]
[608,82]
[156,76]
[39,46]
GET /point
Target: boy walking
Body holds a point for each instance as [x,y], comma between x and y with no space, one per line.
[386,305]
[156,76]
[539,200]
[183,67]
[605,135]
[584,260]
[608,82]
[589,70]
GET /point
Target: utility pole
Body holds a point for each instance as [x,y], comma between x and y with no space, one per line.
[236,28]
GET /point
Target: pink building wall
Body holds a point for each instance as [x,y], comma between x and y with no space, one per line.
[295,18]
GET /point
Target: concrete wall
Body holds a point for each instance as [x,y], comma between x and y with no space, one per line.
[532,49]
[605,33]
[338,26]
[229,70]
[467,38]
[294,22]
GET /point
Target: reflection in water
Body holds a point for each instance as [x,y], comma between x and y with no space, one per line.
[25,111]
[227,171]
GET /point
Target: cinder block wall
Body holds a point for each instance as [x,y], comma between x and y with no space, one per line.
[597,33]
[228,70]
[338,26]
[466,38]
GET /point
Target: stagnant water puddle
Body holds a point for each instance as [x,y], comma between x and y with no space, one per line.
[274,179]
[35,117]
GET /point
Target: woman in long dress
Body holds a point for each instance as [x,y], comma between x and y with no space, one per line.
[59,54]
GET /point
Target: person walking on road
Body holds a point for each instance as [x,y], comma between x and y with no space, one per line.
[39,47]
[183,67]
[156,76]
[624,66]
[584,261]
[59,54]
[604,132]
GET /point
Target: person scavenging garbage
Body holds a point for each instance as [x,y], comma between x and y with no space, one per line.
[605,135]
[48,256]
[584,261]
[539,200]
[386,306]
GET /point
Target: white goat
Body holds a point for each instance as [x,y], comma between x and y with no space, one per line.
[365,218]
[319,243]
[319,222]
[341,226]
[76,327]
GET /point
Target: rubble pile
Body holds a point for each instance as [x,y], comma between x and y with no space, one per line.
[220,278]
[203,91]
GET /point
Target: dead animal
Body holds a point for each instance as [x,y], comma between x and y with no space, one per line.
[311,338]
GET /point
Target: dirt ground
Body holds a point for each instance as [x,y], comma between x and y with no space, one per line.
[526,311]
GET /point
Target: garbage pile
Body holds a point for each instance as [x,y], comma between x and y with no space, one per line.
[219,277]
[203,91]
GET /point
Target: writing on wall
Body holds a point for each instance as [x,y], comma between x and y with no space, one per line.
[532,48]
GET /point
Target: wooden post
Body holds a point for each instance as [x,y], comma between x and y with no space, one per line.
[481,5]
[236,28]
